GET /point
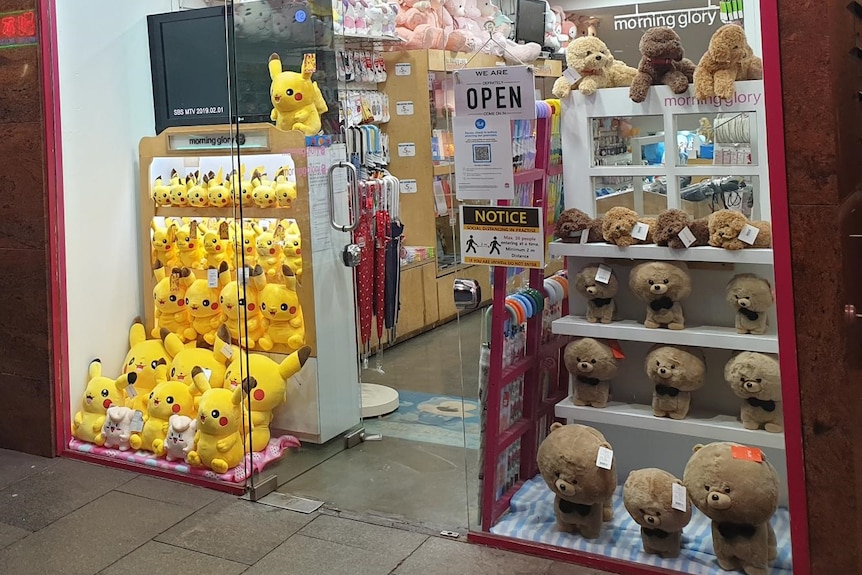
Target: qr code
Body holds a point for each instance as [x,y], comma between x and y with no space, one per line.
[481,153]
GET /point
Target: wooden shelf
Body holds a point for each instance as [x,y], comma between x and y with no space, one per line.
[711,426]
[654,252]
[229,212]
[444,169]
[699,336]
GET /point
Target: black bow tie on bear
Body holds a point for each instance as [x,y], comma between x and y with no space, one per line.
[752,315]
[661,303]
[579,508]
[733,530]
[588,380]
[602,301]
[661,389]
[763,404]
[653,532]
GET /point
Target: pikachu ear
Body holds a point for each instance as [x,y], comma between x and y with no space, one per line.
[247,385]
[172,233]
[125,380]
[257,277]
[137,334]
[222,349]
[153,226]
[95,369]
[293,228]
[172,342]
[159,270]
[161,373]
[274,66]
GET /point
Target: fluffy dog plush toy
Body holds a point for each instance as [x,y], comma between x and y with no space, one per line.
[297,102]
[594,63]
[648,497]
[572,222]
[675,372]
[726,225]
[600,296]
[737,489]
[582,490]
[751,297]
[662,285]
[592,364]
[662,62]
[756,378]
[618,223]
[671,222]
[728,59]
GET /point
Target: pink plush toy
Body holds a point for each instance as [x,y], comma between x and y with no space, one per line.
[513,52]
[427,24]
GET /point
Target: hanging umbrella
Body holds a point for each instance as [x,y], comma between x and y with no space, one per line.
[381,228]
[362,237]
[392,291]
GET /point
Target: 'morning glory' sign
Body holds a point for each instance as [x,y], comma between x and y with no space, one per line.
[503,91]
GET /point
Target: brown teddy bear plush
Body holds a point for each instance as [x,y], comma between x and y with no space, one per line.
[648,497]
[726,225]
[572,222]
[662,285]
[662,62]
[756,378]
[592,365]
[582,490]
[751,297]
[600,296]
[594,63]
[671,222]
[728,59]
[618,223]
[737,489]
[675,372]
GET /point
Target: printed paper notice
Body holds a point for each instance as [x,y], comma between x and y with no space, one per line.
[483,158]
[502,236]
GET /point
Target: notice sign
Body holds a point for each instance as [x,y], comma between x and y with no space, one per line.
[483,158]
[509,91]
[502,236]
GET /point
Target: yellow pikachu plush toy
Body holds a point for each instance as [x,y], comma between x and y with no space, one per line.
[179,191]
[164,244]
[296,100]
[190,248]
[197,191]
[244,328]
[142,359]
[186,357]
[203,307]
[241,188]
[101,393]
[279,303]
[248,238]
[219,190]
[285,190]
[219,440]
[267,384]
[161,193]
[263,193]
[218,246]
[169,299]
[293,248]
[270,254]
[166,399]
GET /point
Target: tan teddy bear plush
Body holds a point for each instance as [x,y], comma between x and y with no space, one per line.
[592,365]
[729,58]
[596,66]
[618,223]
[675,372]
[756,378]
[600,296]
[582,490]
[737,489]
[671,222]
[572,222]
[662,285]
[751,297]
[726,225]
[662,62]
[648,497]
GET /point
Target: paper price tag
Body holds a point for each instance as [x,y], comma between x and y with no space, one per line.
[585,236]
[746,453]
[245,272]
[408,187]
[403,69]
[748,234]
[404,108]
[605,458]
[207,373]
[226,351]
[679,497]
[137,424]
[603,274]
[640,231]
[571,75]
[406,150]
[686,237]
[131,391]
[212,278]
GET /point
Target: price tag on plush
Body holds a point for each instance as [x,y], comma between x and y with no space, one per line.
[585,236]
[212,278]
[137,424]
[748,234]
[746,453]
[640,231]
[679,497]
[686,237]
[605,458]
[572,75]
[131,391]
[603,274]
[226,351]
[207,373]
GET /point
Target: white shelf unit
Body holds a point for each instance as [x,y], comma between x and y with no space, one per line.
[653,252]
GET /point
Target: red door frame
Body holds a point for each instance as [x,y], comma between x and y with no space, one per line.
[773,94]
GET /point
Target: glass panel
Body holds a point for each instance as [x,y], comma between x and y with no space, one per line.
[702,195]
[647,195]
[627,141]
[720,138]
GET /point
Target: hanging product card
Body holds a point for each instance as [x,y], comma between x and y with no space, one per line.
[686,237]
[679,497]
[605,458]
[603,274]
[227,351]
[506,92]
[212,278]
[748,234]
[137,424]
[408,186]
[640,231]
[131,391]
[483,158]
[403,69]
[502,236]
[404,108]
[406,150]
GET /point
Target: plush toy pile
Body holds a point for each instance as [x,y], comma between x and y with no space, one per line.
[216,190]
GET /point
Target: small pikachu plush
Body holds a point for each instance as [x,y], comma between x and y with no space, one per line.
[219,435]
[101,394]
[296,100]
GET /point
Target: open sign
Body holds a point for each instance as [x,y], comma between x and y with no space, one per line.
[502,91]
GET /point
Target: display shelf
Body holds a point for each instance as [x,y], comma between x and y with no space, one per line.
[697,424]
[502,504]
[368,38]
[528,176]
[444,169]
[555,169]
[226,212]
[653,252]
[517,369]
[514,431]
[700,336]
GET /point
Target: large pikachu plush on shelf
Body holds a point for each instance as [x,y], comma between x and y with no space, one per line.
[186,357]
[296,100]
[169,301]
[219,438]
[164,243]
[247,327]
[142,359]
[169,397]
[101,393]
[279,302]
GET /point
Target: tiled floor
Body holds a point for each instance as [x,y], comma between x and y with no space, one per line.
[65,517]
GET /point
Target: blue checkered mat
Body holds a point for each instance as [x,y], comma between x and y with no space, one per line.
[531,517]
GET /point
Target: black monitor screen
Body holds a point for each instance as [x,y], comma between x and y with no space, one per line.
[530,22]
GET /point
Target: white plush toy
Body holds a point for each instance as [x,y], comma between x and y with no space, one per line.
[253,20]
[117,428]
[552,33]
[181,437]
